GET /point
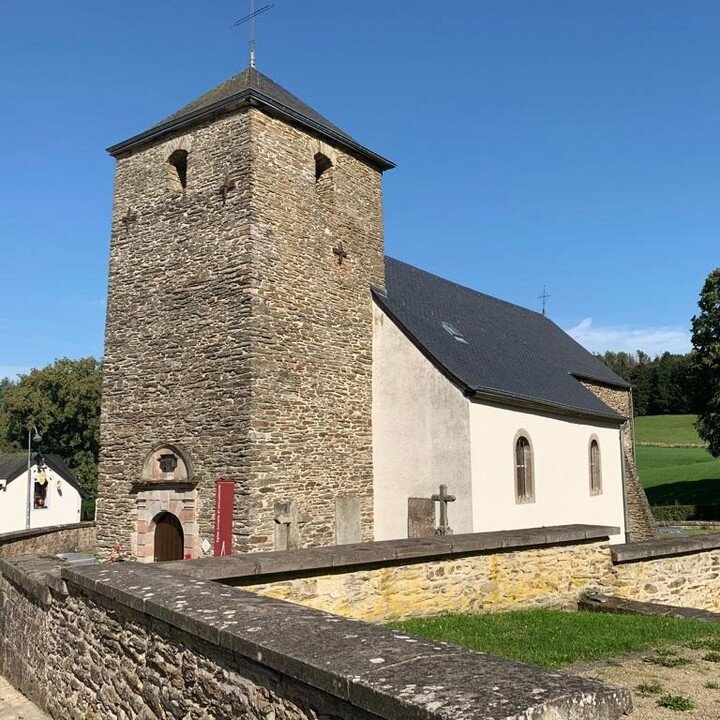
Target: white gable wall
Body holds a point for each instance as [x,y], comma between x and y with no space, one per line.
[561,471]
[421,433]
[427,433]
[63,505]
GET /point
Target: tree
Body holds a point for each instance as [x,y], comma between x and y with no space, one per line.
[63,401]
[706,362]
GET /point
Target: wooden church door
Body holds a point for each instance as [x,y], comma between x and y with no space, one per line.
[169,539]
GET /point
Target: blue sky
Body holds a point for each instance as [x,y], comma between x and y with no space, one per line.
[572,144]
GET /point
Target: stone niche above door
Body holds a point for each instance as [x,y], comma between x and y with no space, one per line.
[166,465]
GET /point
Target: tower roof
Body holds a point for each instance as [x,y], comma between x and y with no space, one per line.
[250,87]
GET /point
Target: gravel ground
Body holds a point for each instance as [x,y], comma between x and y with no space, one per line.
[15,706]
[688,680]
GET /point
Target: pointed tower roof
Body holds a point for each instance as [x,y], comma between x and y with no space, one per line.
[251,88]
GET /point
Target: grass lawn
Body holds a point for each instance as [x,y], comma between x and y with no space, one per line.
[553,639]
[686,476]
[666,429]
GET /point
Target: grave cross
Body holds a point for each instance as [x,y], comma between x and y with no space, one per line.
[443,498]
[288,519]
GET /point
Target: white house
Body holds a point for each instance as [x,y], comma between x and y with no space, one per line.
[55,494]
[488,399]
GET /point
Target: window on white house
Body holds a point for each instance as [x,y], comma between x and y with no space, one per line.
[595,468]
[524,475]
[41,495]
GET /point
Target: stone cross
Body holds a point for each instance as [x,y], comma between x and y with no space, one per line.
[341,253]
[129,217]
[288,520]
[443,498]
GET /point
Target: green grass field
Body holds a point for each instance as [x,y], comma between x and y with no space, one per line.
[554,639]
[666,429]
[675,475]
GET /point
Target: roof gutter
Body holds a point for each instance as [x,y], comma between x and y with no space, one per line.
[246,98]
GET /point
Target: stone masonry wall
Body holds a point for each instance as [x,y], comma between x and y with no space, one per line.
[683,572]
[90,659]
[130,640]
[234,332]
[49,540]
[311,364]
[177,338]
[532,578]
[641,524]
[688,581]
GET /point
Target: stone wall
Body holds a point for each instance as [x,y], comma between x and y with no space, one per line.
[531,578]
[49,540]
[236,334]
[683,572]
[177,339]
[641,524]
[311,360]
[478,572]
[135,641]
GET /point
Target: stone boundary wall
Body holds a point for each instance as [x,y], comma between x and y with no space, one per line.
[478,572]
[398,579]
[52,540]
[682,572]
[129,640]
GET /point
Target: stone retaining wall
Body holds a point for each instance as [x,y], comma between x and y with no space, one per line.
[682,571]
[397,579]
[49,540]
[536,577]
[129,640]
[478,572]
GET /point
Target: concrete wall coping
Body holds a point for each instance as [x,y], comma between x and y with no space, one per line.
[375,669]
[18,535]
[388,552]
[650,549]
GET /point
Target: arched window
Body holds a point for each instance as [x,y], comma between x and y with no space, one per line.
[524,476]
[177,170]
[595,468]
[324,177]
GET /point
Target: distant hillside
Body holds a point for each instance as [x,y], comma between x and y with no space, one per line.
[667,430]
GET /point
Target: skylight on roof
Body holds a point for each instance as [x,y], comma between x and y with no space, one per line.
[450,328]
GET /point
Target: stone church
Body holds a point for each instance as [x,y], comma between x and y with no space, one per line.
[272,380]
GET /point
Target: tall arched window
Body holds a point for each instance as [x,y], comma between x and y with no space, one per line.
[595,468]
[524,476]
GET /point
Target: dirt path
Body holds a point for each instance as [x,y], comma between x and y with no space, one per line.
[15,706]
[690,681]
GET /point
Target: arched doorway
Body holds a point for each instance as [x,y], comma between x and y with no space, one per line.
[169,538]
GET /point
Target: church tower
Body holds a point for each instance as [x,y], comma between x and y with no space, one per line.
[247,233]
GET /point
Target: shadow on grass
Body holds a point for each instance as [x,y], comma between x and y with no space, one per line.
[688,492]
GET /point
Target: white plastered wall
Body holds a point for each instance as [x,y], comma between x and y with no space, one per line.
[421,433]
[561,469]
[63,504]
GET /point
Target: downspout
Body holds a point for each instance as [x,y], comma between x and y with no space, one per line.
[626,511]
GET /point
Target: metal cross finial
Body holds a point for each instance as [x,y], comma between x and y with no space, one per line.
[544,297]
[250,18]
[443,498]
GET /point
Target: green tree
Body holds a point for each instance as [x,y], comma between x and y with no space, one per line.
[5,385]
[63,401]
[706,362]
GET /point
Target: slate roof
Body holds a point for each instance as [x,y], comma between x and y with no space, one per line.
[14,465]
[510,352]
[251,87]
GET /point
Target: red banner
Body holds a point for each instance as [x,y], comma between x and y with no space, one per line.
[224,499]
